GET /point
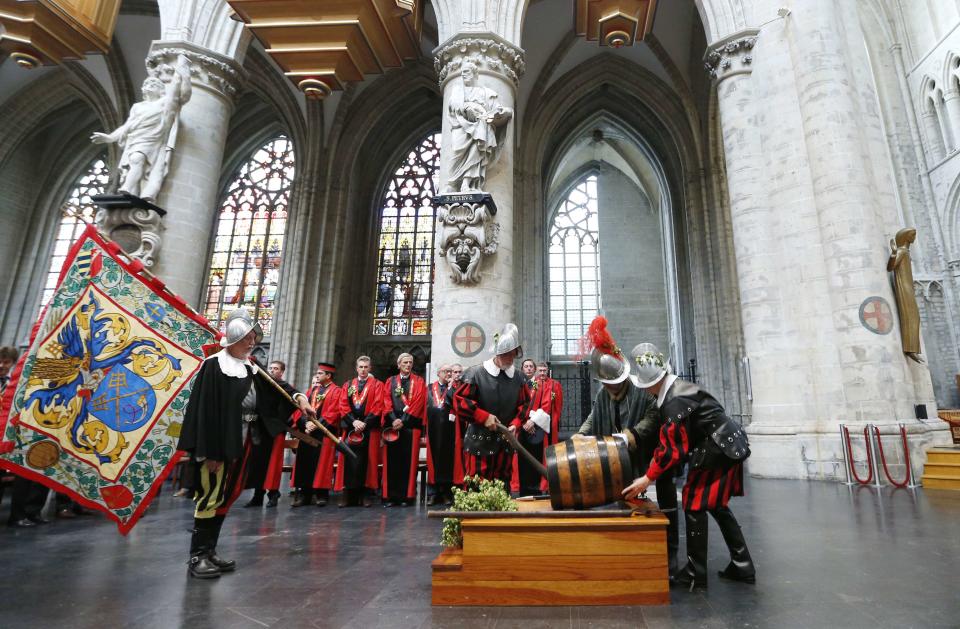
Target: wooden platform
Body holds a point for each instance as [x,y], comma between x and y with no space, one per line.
[942,470]
[533,560]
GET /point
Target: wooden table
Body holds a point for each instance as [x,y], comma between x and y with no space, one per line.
[528,559]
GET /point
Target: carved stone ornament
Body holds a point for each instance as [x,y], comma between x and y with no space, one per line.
[136,230]
[488,52]
[468,232]
[205,69]
[731,56]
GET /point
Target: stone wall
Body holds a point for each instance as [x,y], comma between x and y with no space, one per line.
[633,291]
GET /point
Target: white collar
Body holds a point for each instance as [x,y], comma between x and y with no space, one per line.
[494,371]
[668,381]
[233,367]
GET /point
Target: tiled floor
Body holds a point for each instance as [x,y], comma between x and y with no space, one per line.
[827,556]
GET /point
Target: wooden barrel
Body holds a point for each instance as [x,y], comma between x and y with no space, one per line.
[585,473]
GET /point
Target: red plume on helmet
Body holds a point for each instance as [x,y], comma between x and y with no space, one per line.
[599,338]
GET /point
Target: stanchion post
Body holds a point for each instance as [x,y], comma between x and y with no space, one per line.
[844,437]
[873,437]
[911,481]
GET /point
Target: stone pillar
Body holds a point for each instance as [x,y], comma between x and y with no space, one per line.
[190,191]
[489,304]
[936,149]
[809,199]
[952,113]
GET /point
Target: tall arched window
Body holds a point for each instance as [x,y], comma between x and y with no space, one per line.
[574,267]
[250,229]
[77,211]
[403,300]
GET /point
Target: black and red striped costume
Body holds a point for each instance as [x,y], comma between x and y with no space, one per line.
[692,419]
[488,390]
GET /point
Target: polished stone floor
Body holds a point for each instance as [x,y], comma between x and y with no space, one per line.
[827,556]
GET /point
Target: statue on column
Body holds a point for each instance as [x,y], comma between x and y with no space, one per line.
[899,263]
[150,132]
[478,126]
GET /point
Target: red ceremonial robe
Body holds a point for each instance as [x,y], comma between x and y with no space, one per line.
[546,395]
[331,414]
[275,467]
[438,399]
[408,404]
[364,406]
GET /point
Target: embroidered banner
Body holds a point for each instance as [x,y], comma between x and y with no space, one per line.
[94,407]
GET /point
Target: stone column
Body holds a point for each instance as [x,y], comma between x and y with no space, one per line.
[489,304]
[952,101]
[810,203]
[190,191]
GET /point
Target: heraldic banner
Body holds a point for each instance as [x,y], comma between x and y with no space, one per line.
[94,407]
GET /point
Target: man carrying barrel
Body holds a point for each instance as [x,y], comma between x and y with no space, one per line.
[492,393]
[626,410]
[695,427]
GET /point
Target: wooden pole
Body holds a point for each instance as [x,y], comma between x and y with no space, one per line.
[532,460]
[340,445]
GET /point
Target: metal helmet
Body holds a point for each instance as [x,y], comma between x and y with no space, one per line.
[650,365]
[609,368]
[506,340]
[237,325]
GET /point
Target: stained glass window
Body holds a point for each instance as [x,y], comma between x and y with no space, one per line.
[250,230]
[403,299]
[574,267]
[77,209]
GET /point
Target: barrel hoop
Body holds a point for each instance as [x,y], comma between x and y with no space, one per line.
[563,479]
[553,480]
[626,467]
[605,468]
[575,479]
[616,471]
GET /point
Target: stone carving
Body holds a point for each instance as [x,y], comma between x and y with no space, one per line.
[719,61]
[478,126]
[467,233]
[491,53]
[136,230]
[907,309]
[205,70]
[149,135]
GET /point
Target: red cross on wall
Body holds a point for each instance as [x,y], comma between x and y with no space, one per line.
[468,340]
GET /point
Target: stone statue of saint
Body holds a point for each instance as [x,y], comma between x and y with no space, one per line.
[899,263]
[150,132]
[478,125]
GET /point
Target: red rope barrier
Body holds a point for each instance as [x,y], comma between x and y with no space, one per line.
[853,470]
[906,458]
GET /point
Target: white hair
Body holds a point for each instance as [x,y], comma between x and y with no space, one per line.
[404,355]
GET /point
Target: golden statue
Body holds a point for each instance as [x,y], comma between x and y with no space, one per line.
[899,263]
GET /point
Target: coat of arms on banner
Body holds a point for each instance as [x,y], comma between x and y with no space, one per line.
[98,399]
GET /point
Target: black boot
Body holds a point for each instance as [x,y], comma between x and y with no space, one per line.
[322,497]
[199,566]
[225,565]
[673,540]
[694,574]
[741,566]
[667,502]
[273,496]
[257,500]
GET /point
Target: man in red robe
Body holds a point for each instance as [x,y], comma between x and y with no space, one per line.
[404,406]
[309,457]
[331,414]
[360,421]
[444,460]
[541,428]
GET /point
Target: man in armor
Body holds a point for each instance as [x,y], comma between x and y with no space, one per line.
[232,402]
[696,428]
[620,408]
[492,393]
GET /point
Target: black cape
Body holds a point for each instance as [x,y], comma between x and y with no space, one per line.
[213,422]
